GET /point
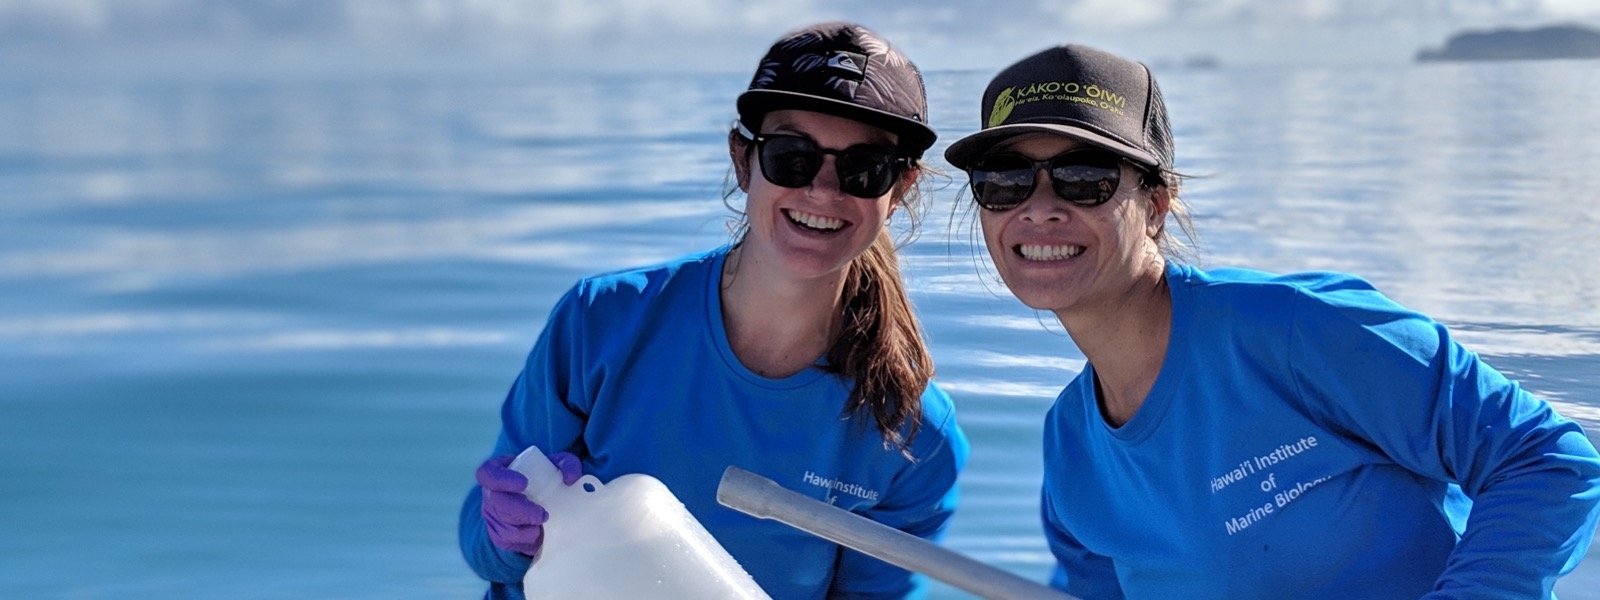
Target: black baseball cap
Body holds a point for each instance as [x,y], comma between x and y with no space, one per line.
[1086,94]
[845,70]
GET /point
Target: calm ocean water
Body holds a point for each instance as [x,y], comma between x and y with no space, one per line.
[254,333]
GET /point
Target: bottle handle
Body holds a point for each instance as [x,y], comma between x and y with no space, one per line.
[544,479]
[589,484]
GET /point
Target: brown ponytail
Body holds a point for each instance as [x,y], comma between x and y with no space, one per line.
[880,346]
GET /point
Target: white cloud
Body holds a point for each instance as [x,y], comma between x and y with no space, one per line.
[1108,13]
[727,35]
[1571,9]
[70,15]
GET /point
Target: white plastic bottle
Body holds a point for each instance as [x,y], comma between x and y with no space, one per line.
[630,538]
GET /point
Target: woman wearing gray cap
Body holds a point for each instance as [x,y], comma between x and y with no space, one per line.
[1238,434]
[792,352]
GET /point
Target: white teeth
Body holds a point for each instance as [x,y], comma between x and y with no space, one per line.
[814,221]
[1041,252]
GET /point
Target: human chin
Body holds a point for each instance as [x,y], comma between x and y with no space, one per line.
[1036,292]
[814,244]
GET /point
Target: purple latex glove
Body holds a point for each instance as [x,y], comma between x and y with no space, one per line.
[516,523]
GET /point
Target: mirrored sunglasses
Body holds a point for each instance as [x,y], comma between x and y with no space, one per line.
[1082,176]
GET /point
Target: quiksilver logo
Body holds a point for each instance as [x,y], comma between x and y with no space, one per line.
[847,64]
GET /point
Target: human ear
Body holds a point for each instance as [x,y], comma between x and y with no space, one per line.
[738,152]
[1160,206]
[902,188]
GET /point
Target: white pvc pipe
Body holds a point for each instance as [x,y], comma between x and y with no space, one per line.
[760,497]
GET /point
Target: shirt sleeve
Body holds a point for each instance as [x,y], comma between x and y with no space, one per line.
[1396,379]
[546,407]
[920,502]
[1078,571]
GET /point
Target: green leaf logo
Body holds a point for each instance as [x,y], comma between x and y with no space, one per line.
[1002,107]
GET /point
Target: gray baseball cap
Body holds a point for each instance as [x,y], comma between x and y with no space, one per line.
[846,70]
[1086,94]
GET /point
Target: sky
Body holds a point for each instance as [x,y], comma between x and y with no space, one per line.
[721,35]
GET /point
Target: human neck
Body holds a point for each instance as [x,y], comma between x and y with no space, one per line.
[1125,337]
[777,326]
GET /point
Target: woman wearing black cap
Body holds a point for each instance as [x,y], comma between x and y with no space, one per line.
[792,353]
[1237,434]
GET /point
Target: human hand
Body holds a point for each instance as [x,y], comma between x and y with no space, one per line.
[516,523]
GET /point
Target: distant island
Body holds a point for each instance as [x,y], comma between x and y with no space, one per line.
[1556,41]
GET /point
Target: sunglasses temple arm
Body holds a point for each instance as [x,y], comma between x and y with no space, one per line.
[743,131]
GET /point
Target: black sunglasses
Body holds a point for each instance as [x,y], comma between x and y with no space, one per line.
[792,161]
[1082,176]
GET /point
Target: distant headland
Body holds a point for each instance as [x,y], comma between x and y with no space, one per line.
[1556,41]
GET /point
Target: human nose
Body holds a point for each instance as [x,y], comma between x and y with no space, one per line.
[1042,203]
[826,182]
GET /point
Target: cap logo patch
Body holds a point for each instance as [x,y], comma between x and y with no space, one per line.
[848,65]
[1002,107]
[1090,95]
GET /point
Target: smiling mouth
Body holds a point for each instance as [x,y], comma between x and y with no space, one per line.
[813,222]
[1041,252]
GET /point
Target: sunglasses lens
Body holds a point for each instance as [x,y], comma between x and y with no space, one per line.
[1002,181]
[1088,177]
[790,161]
[865,170]
[1084,177]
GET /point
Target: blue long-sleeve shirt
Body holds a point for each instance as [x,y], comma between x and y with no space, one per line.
[634,374]
[1309,438]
